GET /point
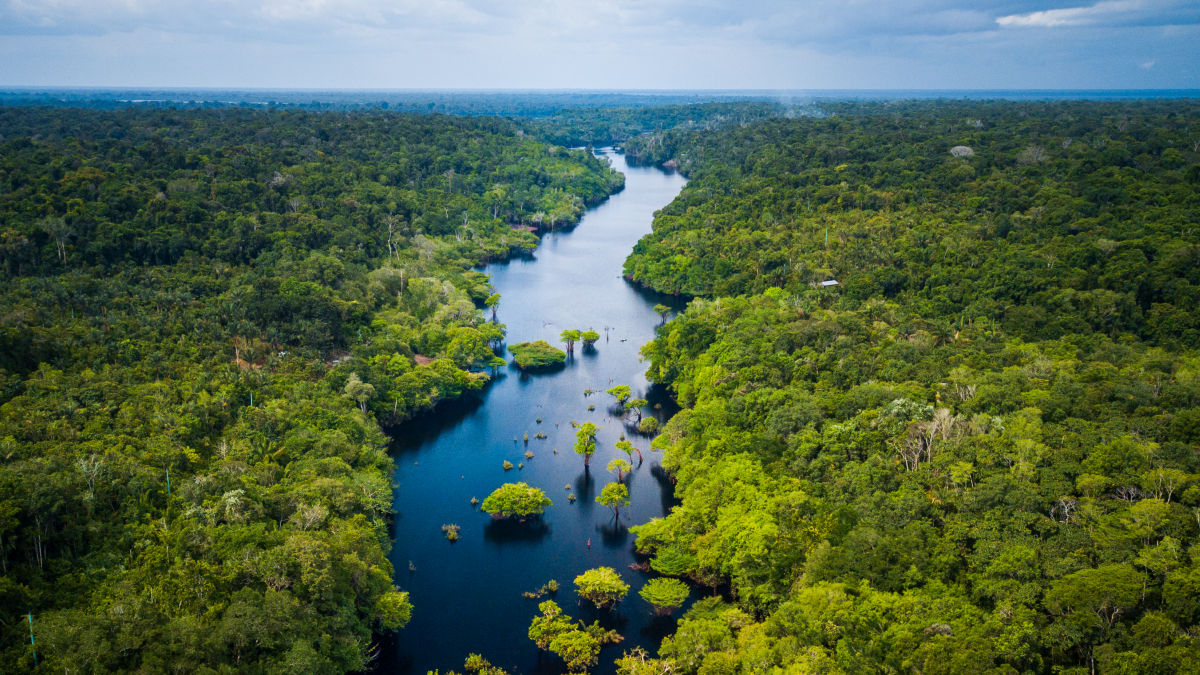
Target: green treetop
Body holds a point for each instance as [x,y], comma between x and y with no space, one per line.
[602,586]
[628,448]
[614,496]
[570,336]
[516,499]
[585,442]
[665,594]
[621,392]
[620,466]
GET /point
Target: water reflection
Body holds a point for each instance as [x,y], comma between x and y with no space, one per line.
[614,534]
[585,490]
[516,531]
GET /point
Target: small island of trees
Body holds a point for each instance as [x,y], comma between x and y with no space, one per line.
[516,500]
[536,355]
[602,586]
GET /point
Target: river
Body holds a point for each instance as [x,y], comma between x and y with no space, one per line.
[467,594]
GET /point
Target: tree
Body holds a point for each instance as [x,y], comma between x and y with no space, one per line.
[620,466]
[628,448]
[585,442]
[58,230]
[359,391]
[578,648]
[516,500]
[393,609]
[662,311]
[634,405]
[492,302]
[621,392]
[665,594]
[614,496]
[601,586]
[570,336]
[589,338]
[552,622]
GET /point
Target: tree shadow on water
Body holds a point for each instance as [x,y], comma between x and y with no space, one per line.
[513,531]
[666,488]
[658,628]
[585,490]
[613,534]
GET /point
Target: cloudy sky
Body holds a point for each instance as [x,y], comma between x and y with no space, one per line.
[590,44]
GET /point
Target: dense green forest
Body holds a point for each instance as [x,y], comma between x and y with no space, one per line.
[205,317]
[979,450]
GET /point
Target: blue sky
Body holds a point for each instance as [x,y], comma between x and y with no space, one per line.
[621,44]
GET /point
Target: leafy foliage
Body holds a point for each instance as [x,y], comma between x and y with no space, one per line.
[537,354]
[602,586]
[206,316]
[516,500]
[976,452]
[665,594]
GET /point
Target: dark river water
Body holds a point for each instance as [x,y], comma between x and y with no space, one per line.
[467,594]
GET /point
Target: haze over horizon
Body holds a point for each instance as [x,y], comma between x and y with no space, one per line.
[606,44]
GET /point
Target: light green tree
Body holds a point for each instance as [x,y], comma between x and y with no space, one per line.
[614,496]
[665,594]
[359,391]
[585,442]
[601,586]
[516,499]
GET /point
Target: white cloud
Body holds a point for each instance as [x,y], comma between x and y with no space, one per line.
[1114,13]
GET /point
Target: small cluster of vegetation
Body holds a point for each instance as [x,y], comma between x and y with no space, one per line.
[548,588]
[516,500]
[666,595]
[602,586]
[571,336]
[628,403]
[536,355]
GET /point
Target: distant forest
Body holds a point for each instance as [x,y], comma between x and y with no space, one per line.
[939,374]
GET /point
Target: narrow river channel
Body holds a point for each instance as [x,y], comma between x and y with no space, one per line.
[467,594]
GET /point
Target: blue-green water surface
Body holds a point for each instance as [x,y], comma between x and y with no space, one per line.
[467,595]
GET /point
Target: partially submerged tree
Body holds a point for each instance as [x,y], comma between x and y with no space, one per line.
[492,302]
[602,586]
[549,625]
[620,466]
[516,500]
[662,310]
[578,645]
[614,496]
[570,336]
[621,392]
[665,594]
[589,338]
[628,448]
[634,405]
[585,442]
